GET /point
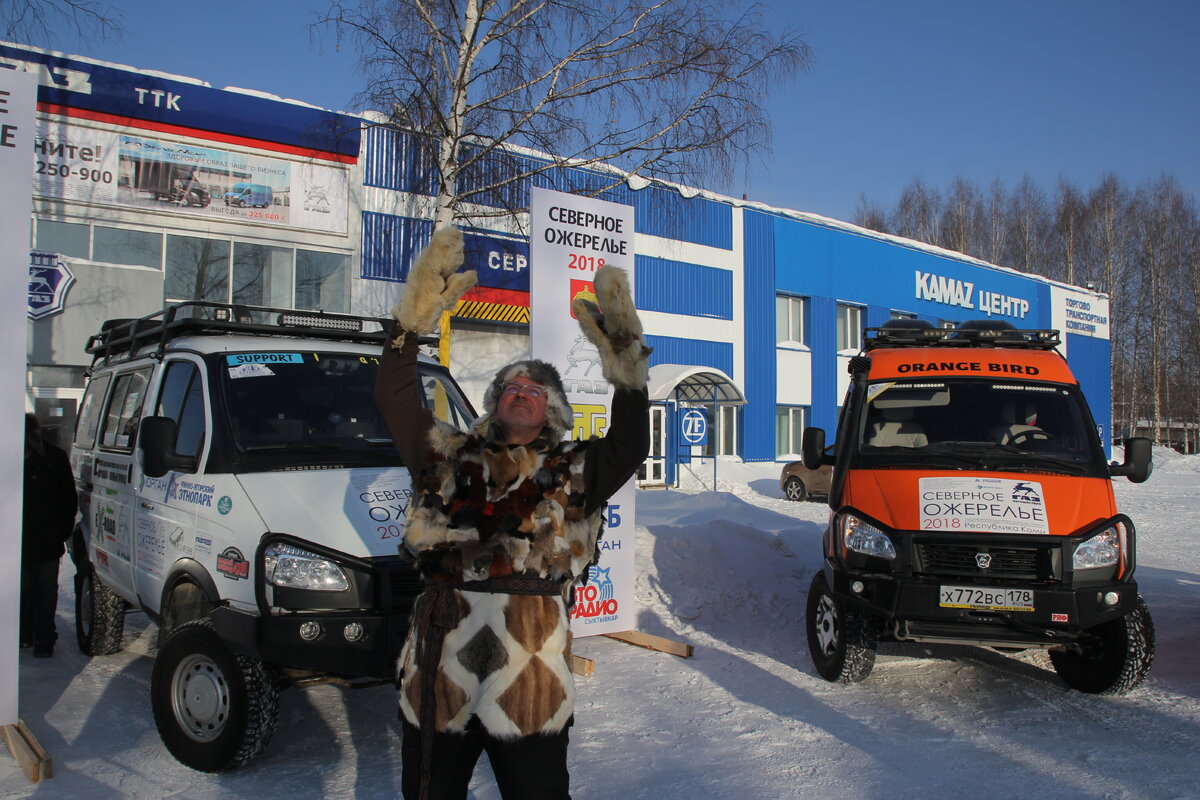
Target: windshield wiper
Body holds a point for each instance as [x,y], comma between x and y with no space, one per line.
[1008,455]
[293,446]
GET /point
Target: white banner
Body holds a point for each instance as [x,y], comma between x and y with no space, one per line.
[110,168]
[570,238]
[18,101]
[992,505]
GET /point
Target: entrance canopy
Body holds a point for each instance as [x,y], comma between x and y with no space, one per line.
[691,384]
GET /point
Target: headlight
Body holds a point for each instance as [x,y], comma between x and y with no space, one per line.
[1102,550]
[293,568]
[862,537]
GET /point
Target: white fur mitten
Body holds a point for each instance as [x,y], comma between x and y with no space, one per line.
[433,285]
[615,330]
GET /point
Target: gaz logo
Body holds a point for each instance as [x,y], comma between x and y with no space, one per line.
[693,427]
[49,280]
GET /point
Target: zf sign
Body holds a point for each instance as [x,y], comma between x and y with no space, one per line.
[693,428]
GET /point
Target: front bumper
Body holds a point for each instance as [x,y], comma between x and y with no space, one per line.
[376,610]
[910,606]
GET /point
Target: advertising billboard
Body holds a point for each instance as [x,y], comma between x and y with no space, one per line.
[571,237]
[92,166]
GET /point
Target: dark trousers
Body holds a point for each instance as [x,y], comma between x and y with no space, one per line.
[528,768]
[39,599]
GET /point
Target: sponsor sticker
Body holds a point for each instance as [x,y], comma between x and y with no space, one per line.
[1060,617]
[992,505]
[249,371]
[224,505]
[232,564]
[595,601]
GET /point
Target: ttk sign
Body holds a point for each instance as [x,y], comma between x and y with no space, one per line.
[49,280]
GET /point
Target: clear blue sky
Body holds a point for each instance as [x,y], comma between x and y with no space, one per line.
[897,88]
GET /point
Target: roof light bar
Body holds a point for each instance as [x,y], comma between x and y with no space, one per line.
[319,321]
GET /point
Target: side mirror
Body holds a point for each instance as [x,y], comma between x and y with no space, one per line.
[156,440]
[1138,460]
[812,448]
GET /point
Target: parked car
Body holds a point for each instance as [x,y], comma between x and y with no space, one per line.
[800,483]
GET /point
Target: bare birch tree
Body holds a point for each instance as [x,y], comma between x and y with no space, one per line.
[31,20]
[667,89]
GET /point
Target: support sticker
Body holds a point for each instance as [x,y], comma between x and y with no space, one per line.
[264,358]
[992,505]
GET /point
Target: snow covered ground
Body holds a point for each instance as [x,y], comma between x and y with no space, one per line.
[746,717]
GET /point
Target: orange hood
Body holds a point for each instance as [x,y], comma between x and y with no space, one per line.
[1054,504]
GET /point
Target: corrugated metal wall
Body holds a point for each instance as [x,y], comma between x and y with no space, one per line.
[389,244]
[758,275]
[823,313]
[696,352]
[396,160]
[676,287]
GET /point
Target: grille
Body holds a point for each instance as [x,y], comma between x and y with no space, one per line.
[1031,563]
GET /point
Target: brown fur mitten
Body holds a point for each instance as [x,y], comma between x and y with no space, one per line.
[433,285]
[615,330]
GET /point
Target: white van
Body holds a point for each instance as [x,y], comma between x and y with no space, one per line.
[238,486]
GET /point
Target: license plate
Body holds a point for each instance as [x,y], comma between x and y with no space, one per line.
[986,598]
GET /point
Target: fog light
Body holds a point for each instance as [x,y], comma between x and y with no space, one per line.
[310,630]
[353,632]
[857,587]
[1111,598]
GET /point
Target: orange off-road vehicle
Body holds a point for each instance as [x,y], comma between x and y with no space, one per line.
[973,504]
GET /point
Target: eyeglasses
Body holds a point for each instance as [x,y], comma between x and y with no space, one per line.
[532,391]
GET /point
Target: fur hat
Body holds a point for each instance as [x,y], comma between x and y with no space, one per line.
[560,418]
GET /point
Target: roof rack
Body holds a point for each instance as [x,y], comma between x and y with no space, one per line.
[973,333]
[119,337]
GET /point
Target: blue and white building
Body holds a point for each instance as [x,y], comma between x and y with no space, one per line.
[153,188]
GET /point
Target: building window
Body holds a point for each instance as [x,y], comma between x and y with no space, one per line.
[790,422]
[901,315]
[262,275]
[66,238]
[724,436]
[197,269]
[791,319]
[321,280]
[849,327]
[124,246]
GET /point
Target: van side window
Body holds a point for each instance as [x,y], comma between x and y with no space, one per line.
[89,416]
[182,399]
[124,411]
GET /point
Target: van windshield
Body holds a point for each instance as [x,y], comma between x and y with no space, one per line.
[317,410]
[978,424]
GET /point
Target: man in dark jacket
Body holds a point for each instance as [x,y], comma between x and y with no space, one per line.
[504,521]
[49,516]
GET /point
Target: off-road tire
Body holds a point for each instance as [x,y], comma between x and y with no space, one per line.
[795,490]
[841,640]
[1112,658]
[99,616]
[215,710]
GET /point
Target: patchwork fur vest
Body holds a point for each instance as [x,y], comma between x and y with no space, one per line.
[501,535]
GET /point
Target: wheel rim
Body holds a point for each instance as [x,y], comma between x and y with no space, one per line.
[795,489]
[200,698]
[826,624]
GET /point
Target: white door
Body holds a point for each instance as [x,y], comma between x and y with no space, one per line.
[653,469]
